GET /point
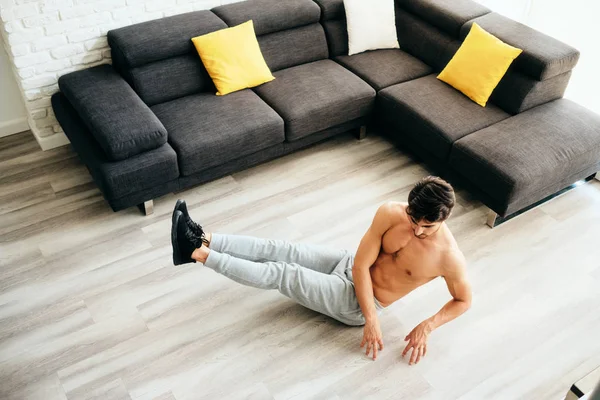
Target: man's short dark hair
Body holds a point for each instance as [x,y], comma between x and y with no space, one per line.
[431,200]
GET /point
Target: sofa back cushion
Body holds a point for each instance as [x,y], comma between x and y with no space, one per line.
[416,36]
[424,41]
[333,19]
[158,58]
[336,32]
[517,92]
[288,31]
[447,16]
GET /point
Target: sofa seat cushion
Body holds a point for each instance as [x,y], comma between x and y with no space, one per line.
[331,9]
[434,114]
[316,96]
[532,155]
[385,67]
[208,130]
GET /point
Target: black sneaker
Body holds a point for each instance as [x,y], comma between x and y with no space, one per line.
[183,240]
[195,227]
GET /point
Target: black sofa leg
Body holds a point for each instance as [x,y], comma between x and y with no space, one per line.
[362,132]
[147,207]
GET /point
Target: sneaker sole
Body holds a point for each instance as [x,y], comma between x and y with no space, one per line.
[176,253]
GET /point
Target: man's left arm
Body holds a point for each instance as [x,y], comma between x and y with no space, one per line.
[456,279]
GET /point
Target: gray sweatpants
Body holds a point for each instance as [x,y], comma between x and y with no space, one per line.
[315,276]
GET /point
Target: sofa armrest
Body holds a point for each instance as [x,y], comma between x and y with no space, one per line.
[122,124]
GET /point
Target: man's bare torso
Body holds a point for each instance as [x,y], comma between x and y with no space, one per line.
[405,261]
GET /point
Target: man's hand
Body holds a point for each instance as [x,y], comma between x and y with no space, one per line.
[417,340]
[372,338]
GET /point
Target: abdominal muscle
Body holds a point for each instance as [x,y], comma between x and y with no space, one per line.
[391,281]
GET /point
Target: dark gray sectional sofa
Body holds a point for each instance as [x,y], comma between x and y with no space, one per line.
[150,123]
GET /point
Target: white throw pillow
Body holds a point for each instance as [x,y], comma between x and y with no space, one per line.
[371,25]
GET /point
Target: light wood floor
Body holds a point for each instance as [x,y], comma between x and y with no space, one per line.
[91,306]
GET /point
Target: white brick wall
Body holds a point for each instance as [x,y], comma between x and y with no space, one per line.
[49,38]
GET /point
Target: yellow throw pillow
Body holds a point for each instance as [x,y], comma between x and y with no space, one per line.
[479,65]
[233,58]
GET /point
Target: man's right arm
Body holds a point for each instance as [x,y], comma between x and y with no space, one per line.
[365,257]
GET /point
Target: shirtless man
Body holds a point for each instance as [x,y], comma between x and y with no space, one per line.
[406,246]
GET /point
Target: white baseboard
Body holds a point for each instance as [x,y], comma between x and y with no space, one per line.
[13,126]
[52,142]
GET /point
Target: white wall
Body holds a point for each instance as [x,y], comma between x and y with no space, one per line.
[13,116]
[574,22]
[49,38]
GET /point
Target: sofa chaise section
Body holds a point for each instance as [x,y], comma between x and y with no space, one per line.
[530,156]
